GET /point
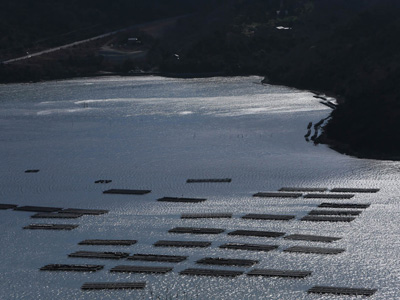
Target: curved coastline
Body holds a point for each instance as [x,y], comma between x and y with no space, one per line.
[341,146]
[323,138]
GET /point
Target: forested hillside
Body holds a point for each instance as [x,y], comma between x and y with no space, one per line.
[349,49]
[26,25]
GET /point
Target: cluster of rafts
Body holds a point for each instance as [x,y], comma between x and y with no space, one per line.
[343,212]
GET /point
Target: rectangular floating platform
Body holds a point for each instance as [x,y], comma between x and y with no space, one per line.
[207,216]
[158,258]
[312,238]
[8,206]
[113,285]
[38,208]
[85,211]
[335,212]
[103,181]
[277,195]
[329,196]
[279,273]
[102,255]
[271,234]
[77,268]
[51,226]
[195,230]
[354,190]
[314,250]
[302,189]
[185,244]
[227,262]
[184,200]
[345,205]
[209,180]
[127,192]
[342,291]
[59,215]
[141,269]
[327,219]
[210,272]
[32,171]
[249,247]
[269,217]
[108,242]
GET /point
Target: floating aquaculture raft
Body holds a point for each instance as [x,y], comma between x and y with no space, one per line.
[141,269]
[314,250]
[227,262]
[210,272]
[38,208]
[311,238]
[85,211]
[186,244]
[327,219]
[108,242]
[279,273]
[330,196]
[345,205]
[158,258]
[354,190]
[277,195]
[113,285]
[249,247]
[59,215]
[342,291]
[127,192]
[195,230]
[269,217]
[335,212]
[257,233]
[102,255]
[185,200]
[52,226]
[206,216]
[7,206]
[77,268]
[209,180]
[302,189]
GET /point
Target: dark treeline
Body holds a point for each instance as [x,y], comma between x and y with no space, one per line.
[27,25]
[239,37]
[347,48]
[354,54]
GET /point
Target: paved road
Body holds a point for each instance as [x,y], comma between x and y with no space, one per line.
[60,47]
[138,26]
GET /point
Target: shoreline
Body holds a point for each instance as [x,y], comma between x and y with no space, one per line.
[340,147]
[346,149]
[138,74]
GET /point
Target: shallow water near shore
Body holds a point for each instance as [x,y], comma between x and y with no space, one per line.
[155,133]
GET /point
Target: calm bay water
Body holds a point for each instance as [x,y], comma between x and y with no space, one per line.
[154,133]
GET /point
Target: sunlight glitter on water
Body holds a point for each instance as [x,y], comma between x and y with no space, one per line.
[154,133]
